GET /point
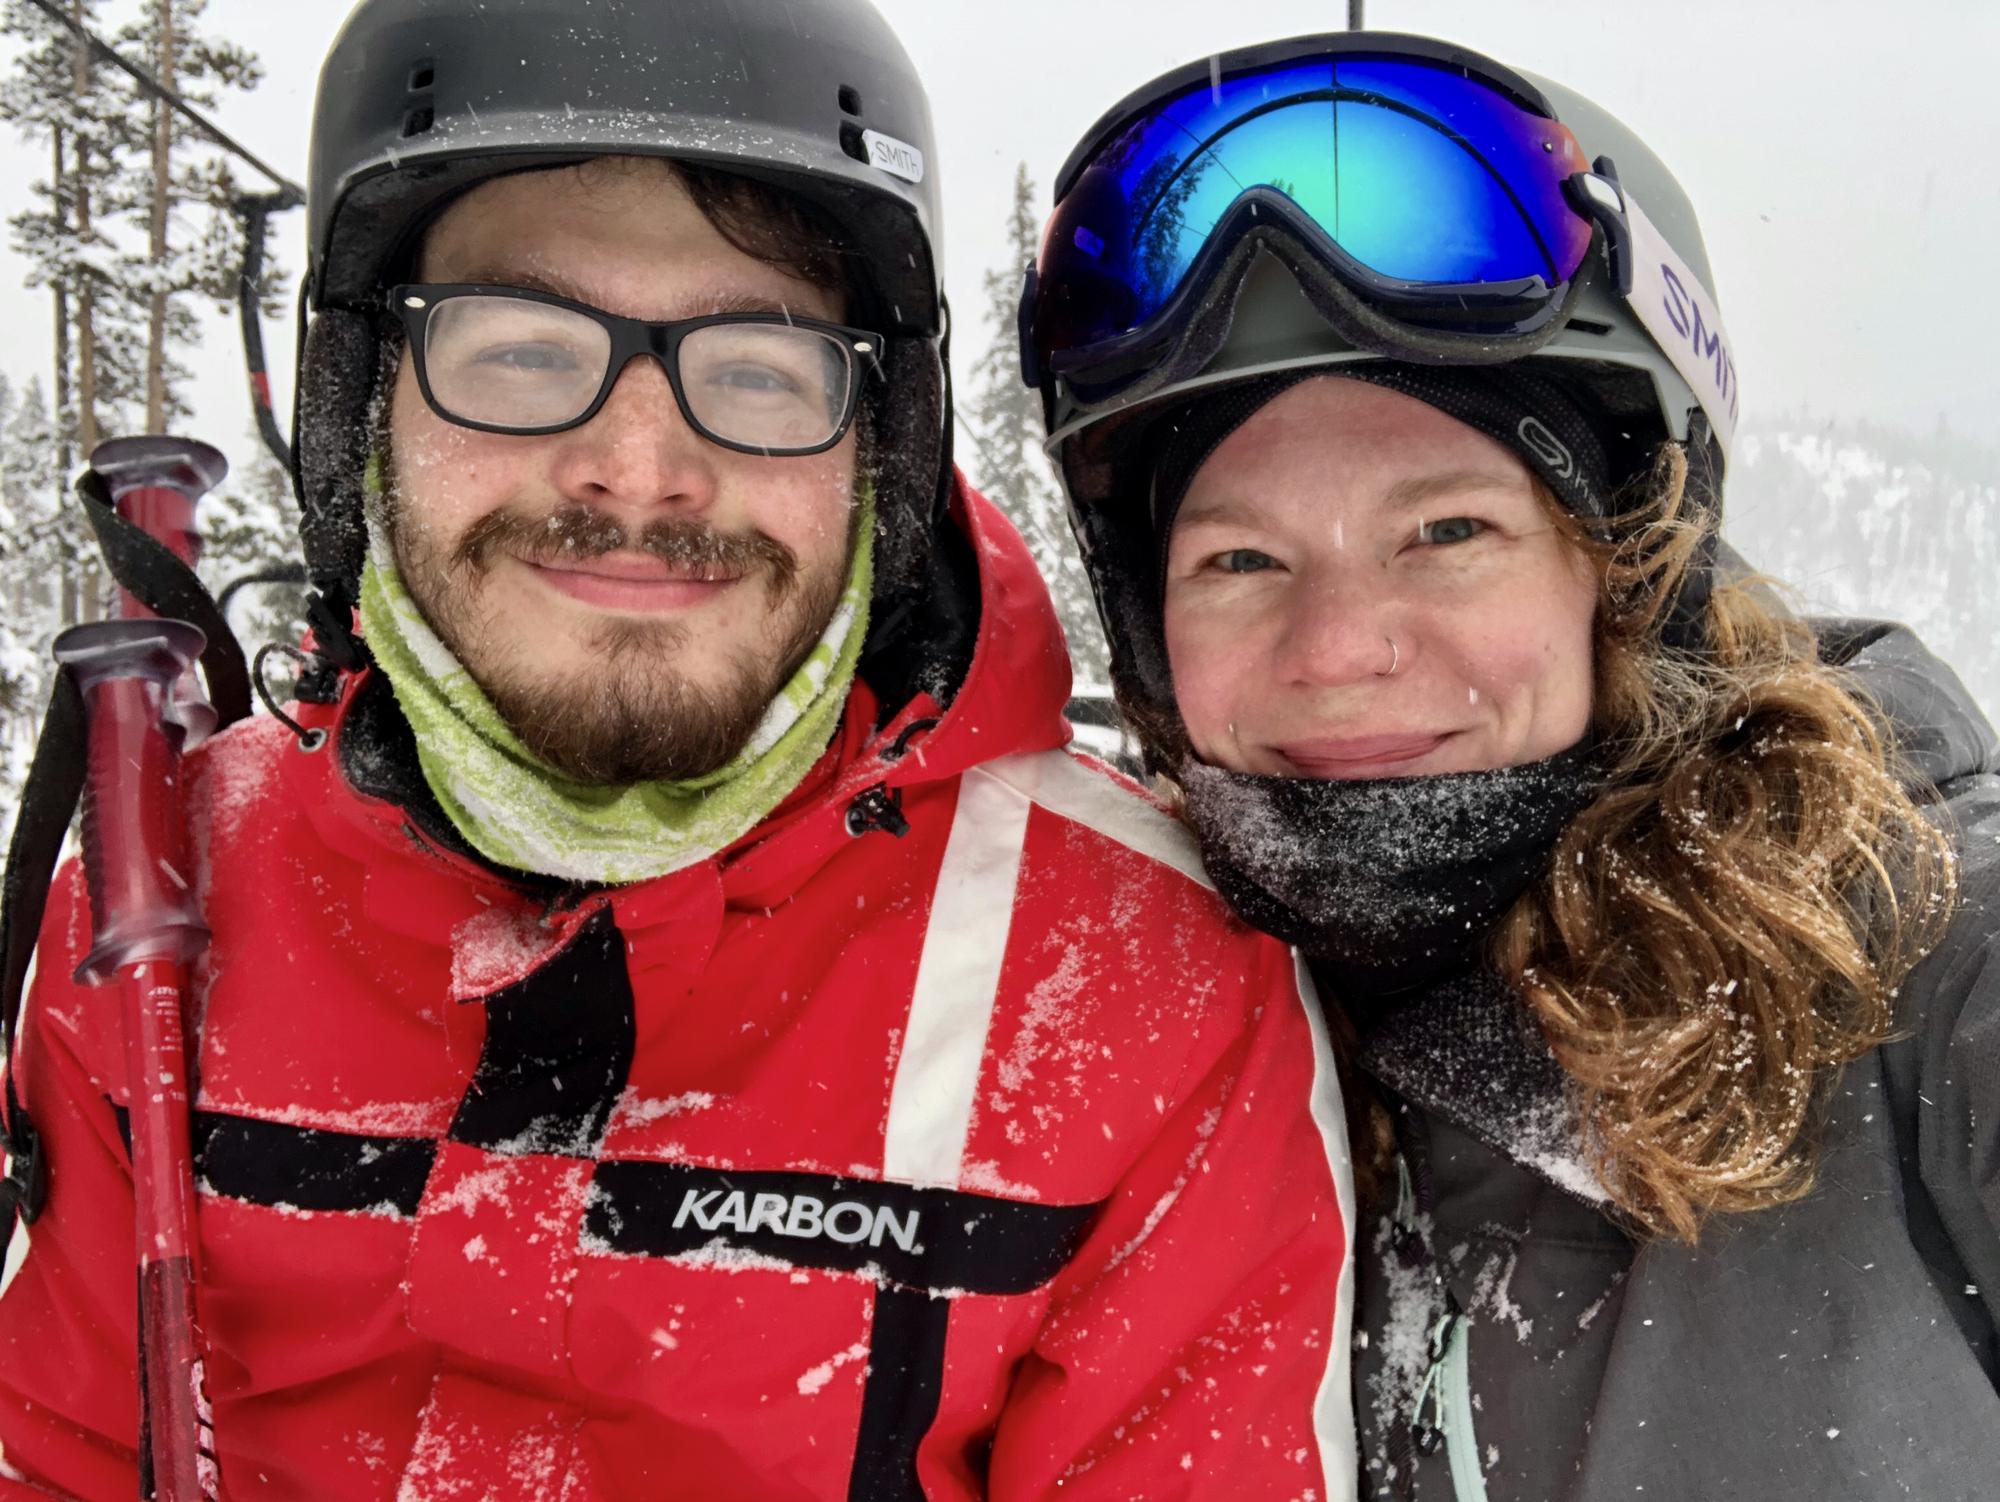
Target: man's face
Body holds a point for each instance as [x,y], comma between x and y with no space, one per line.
[629,594]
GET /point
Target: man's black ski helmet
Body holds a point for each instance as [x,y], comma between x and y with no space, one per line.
[421,100]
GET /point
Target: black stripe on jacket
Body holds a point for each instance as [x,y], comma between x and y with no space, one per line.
[556,1059]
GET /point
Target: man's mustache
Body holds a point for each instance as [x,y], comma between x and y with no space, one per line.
[584,532]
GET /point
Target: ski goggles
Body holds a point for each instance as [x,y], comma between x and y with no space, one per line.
[1433,182]
[507,360]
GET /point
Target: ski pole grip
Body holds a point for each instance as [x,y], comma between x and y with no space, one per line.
[135,846]
[155,482]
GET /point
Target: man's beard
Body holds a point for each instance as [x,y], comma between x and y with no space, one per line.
[632,716]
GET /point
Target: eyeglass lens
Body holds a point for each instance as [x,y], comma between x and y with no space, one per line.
[511,363]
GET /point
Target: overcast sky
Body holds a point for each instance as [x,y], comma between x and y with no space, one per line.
[1843,157]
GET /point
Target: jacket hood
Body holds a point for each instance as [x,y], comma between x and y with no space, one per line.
[1012,694]
[1939,728]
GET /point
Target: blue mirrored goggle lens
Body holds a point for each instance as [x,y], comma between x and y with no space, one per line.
[1419,175]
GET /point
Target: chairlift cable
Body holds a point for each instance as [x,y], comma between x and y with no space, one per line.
[253,210]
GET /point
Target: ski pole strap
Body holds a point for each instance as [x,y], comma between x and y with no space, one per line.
[148,570]
[48,799]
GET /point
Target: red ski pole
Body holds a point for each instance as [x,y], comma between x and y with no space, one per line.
[144,707]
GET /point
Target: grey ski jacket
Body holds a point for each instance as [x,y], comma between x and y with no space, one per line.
[1514,1346]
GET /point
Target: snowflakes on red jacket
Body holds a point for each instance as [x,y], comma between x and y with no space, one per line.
[991,1160]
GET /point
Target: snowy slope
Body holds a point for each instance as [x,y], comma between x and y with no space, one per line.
[1870,522]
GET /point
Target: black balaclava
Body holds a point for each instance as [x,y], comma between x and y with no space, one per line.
[1391,885]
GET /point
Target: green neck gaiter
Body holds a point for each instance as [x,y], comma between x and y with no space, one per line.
[517,812]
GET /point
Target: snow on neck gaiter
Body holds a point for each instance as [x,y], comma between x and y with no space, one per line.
[1387,884]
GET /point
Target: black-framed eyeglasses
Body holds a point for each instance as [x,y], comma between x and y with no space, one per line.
[507,360]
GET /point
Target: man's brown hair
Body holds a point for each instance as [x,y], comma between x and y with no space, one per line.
[764,222]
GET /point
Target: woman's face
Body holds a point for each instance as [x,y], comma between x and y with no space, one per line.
[1345,529]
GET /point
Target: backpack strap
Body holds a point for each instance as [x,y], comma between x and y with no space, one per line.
[48,800]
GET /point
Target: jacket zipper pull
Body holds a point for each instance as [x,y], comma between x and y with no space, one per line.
[1428,1438]
[1405,1240]
[879,807]
[1422,1433]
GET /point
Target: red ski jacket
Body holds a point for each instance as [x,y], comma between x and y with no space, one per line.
[991,1159]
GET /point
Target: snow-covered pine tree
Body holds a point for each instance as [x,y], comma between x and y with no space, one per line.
[184,173]
[47,536]
[123,298]
[13,689]
[37,553]
[64,103]
[1003,418]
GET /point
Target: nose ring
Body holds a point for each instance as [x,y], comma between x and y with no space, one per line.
[1395,658]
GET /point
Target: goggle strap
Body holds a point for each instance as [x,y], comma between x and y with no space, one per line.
[1598,194]
[1669,300]
[1024,328]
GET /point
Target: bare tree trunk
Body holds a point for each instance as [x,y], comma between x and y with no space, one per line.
[163,172]
[86,288]
[86,322]
[79,593]
[59,197]
[65,587]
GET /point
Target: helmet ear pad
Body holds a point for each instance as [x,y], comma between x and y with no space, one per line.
[1121,555]
[924,618]
[1685,628]
[340,368]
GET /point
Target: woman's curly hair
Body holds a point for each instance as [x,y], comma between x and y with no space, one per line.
[1728,923]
